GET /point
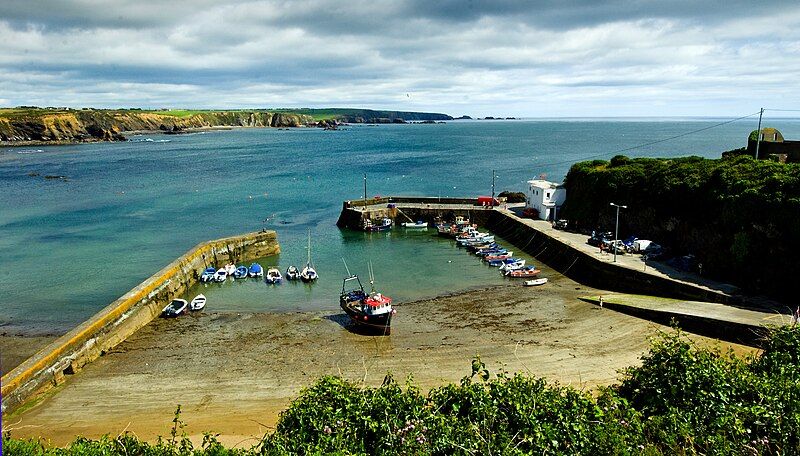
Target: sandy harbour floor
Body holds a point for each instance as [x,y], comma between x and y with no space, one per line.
[233,373]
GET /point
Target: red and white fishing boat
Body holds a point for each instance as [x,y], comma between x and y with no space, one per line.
[372,312]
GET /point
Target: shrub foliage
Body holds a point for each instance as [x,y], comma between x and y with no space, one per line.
[681,400]
[738,216]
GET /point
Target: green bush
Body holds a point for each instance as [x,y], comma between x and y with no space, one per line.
[681,400]
[734,208]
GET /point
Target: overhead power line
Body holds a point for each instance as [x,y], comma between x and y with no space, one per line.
[658,141]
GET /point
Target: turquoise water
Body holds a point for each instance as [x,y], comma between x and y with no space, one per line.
[127,209]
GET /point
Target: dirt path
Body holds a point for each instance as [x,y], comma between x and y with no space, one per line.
[233,373]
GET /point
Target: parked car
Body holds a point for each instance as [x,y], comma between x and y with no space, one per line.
[621,248]
[599,238]
[653,251]
[561,224]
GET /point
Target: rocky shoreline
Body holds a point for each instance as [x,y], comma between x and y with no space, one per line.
[44,127]
[47,126]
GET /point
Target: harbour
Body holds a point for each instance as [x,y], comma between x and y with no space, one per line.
[127,209]
[428,228]
[72,352]
[555,329]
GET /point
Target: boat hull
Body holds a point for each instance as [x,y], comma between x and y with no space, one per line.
[374,324]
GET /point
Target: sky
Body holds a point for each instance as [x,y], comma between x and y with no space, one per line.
[501,58]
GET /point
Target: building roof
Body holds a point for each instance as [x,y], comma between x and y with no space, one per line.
[768,135]
[543,184]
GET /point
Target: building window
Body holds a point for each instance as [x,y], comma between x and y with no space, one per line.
[548,194]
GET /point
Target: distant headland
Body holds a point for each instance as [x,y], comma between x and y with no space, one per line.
[29,125]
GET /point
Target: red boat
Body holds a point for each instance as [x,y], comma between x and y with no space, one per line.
[496,257]
[372,311]
[526,272]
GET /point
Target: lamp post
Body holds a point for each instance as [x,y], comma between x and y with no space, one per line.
[616,229]
[492,203]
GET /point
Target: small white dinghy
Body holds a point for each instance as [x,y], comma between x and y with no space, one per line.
[198,302]
[535,282]
[221,275]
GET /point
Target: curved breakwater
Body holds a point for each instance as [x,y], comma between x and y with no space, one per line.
[123,317]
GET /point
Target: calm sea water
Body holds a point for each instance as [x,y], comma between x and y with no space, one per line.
[127,209]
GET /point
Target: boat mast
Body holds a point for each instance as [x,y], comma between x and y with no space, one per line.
[308,263]
[371,277]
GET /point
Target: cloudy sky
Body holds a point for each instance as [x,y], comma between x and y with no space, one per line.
[510,58]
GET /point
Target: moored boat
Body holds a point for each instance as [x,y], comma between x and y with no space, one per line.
[309,274]
[273,276]
[535,282]
[417,224]
[241,272]
[221,275]
[198,303]
[385,224]
[292,273]
[494,251]
[524,272]
[175,308]
[504,256]
[519,264]
[255,270]
[482,246]
[503,262]
[230,268]
[208,275]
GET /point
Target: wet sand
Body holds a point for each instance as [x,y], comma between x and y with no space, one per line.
[16,349]
[234,373]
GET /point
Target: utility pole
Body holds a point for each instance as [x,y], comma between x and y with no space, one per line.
[365,192]
[616,230]
[758,132]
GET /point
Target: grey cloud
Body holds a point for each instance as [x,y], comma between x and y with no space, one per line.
[447,54]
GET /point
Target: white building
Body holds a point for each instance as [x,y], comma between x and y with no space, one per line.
[546,197]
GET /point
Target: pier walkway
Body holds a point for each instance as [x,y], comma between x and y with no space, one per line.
[720,321]
[630,261]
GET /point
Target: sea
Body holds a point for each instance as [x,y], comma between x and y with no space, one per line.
[112,214]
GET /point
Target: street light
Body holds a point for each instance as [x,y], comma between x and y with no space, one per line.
[616,229]
[493,176]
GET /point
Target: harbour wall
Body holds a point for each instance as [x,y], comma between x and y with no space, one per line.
[91,339]
[586,269]
[411,209]
[560,256]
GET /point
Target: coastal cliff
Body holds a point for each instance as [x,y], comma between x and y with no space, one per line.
[63,126]
[33,125]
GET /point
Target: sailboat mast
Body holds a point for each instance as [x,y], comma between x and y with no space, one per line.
[308,263]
